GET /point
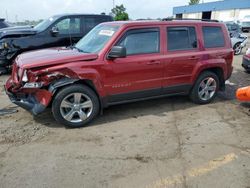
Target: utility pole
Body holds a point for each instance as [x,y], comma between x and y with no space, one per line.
[6,14]
[113,3]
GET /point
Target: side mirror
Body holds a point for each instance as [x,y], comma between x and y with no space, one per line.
[117,52]
[54,31]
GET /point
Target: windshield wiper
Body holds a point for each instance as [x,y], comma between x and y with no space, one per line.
[80,50]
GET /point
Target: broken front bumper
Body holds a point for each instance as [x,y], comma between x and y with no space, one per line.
[32,100]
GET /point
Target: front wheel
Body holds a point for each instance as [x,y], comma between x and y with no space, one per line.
[237,49]
[205,88]
[75,106]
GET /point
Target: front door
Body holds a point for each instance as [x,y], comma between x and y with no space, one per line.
[69,32]
[140,74]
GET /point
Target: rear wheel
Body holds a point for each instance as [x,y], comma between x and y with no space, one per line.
[75,106]
[205,88]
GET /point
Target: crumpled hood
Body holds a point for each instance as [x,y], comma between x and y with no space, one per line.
[17,31]
[52,56]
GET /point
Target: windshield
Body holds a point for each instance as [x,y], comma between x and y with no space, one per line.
[96,39]
[44,24]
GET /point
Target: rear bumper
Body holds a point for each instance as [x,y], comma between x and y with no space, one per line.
[246,63]
[33,100]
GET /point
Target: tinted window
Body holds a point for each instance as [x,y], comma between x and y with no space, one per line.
[69,25]
[141,41]
[213,37]
[181,38]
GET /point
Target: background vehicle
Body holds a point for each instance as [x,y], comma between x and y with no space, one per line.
[246,61]
[3,24]
[121,62]
[245,26]
[239,40]
[60,30]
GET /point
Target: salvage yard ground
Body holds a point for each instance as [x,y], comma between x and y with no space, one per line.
[168,142]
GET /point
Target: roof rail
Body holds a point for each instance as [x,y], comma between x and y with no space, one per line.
[191,19]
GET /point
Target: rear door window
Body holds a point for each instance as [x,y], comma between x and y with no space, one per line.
[213,37]
[141,41]
[181,38]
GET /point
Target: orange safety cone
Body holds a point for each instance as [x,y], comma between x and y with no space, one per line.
[243,94]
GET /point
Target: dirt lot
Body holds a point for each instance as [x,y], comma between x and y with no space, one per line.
[168,142]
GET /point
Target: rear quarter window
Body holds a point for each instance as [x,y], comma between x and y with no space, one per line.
[213,37]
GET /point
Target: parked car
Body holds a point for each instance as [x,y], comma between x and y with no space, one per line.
[3,24]
[120,62]
[246,61]
[239,40]
[60,30]
[245,26]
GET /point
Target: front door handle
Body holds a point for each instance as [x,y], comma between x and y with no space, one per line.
[153,62]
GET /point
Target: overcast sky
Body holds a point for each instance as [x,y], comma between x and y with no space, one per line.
[19,10]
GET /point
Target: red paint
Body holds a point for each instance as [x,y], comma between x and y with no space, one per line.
[130,74]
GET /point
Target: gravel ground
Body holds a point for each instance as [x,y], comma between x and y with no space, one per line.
[167,142]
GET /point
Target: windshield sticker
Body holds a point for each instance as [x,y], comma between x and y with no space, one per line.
[106,32]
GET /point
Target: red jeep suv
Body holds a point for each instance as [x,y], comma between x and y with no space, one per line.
[119,62]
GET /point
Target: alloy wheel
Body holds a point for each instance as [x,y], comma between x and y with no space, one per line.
[76,107]
[207,88]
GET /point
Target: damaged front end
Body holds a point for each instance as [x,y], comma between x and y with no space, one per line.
[33,90]
[7,54]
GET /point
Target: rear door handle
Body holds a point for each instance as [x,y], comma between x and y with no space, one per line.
[153,62]
[193,58]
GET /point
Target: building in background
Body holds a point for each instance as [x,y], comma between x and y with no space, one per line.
[226,10]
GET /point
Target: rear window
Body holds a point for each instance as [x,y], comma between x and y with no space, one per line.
[181,38]
[213,37]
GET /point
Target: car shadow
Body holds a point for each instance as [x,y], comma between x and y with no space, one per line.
[156,107]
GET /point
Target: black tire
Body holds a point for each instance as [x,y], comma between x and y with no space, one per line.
[68,90]
[194,94]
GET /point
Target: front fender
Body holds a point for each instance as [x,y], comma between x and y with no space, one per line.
[94,76]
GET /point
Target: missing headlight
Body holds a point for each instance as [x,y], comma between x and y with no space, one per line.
[33,85]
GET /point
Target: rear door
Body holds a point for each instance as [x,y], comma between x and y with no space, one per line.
[140,74]
[182,55]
